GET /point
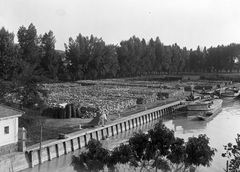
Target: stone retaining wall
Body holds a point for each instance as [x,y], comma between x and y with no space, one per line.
[55,148]
[14,162]
[7,149]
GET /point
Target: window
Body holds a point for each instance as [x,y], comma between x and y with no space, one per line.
[6,130]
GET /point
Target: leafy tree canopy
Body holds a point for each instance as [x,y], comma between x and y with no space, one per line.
[232,153]
[158,149]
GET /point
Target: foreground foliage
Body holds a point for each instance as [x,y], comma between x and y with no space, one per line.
[20,89]
[156,150]
[233,155]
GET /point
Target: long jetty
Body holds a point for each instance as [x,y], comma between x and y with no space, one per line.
[57,147]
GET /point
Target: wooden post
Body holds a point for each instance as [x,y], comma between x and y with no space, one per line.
[40,149]
[22,139]
[227,166]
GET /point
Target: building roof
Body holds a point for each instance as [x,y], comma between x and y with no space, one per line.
[6,112]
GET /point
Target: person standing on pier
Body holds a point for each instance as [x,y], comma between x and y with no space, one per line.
[191,96]
[103,118]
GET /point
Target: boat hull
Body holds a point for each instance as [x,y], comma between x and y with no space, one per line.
[230,94]
[214,113]
[215,107]
[198,107]
[204,105]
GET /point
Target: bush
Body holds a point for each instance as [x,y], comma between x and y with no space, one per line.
[140,100]
[51,111]
[232,153]
[161,95]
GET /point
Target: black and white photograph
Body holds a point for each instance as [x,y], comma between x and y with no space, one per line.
[119,86]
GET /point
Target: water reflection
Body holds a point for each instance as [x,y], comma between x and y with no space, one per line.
[116,140]
[229,102]
[186,125]
[62,164]
[221,130]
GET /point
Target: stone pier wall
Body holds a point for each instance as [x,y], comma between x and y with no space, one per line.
[7,149]
[55,148]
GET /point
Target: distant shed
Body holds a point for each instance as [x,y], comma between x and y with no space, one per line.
[173,77]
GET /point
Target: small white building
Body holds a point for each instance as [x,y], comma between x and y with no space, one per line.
[8,129]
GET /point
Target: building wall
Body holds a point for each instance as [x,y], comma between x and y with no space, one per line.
[14,162]
[9,148]
[12,136]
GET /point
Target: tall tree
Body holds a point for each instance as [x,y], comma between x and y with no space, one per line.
[129,55]
[110,62]
[176,57]
[51,59]
[184,59]
[231,53]
[144,52]
[73,57]
[96,52]
[85,56]
[150,57]
[237,55]
[204,59]
[210,59]
[158,53]
[8,54]
[196,60]
[29,44]
[167,56]
[133,46]
[29,75]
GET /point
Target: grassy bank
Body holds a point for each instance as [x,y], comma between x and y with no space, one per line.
[53,126]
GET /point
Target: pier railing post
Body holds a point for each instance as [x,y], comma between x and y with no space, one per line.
[21,139]
[40,145]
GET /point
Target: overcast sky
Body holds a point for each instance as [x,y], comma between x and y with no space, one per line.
[186,22]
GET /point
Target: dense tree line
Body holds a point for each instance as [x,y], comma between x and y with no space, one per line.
[90,57]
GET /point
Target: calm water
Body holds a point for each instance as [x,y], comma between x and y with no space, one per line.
[222,129]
